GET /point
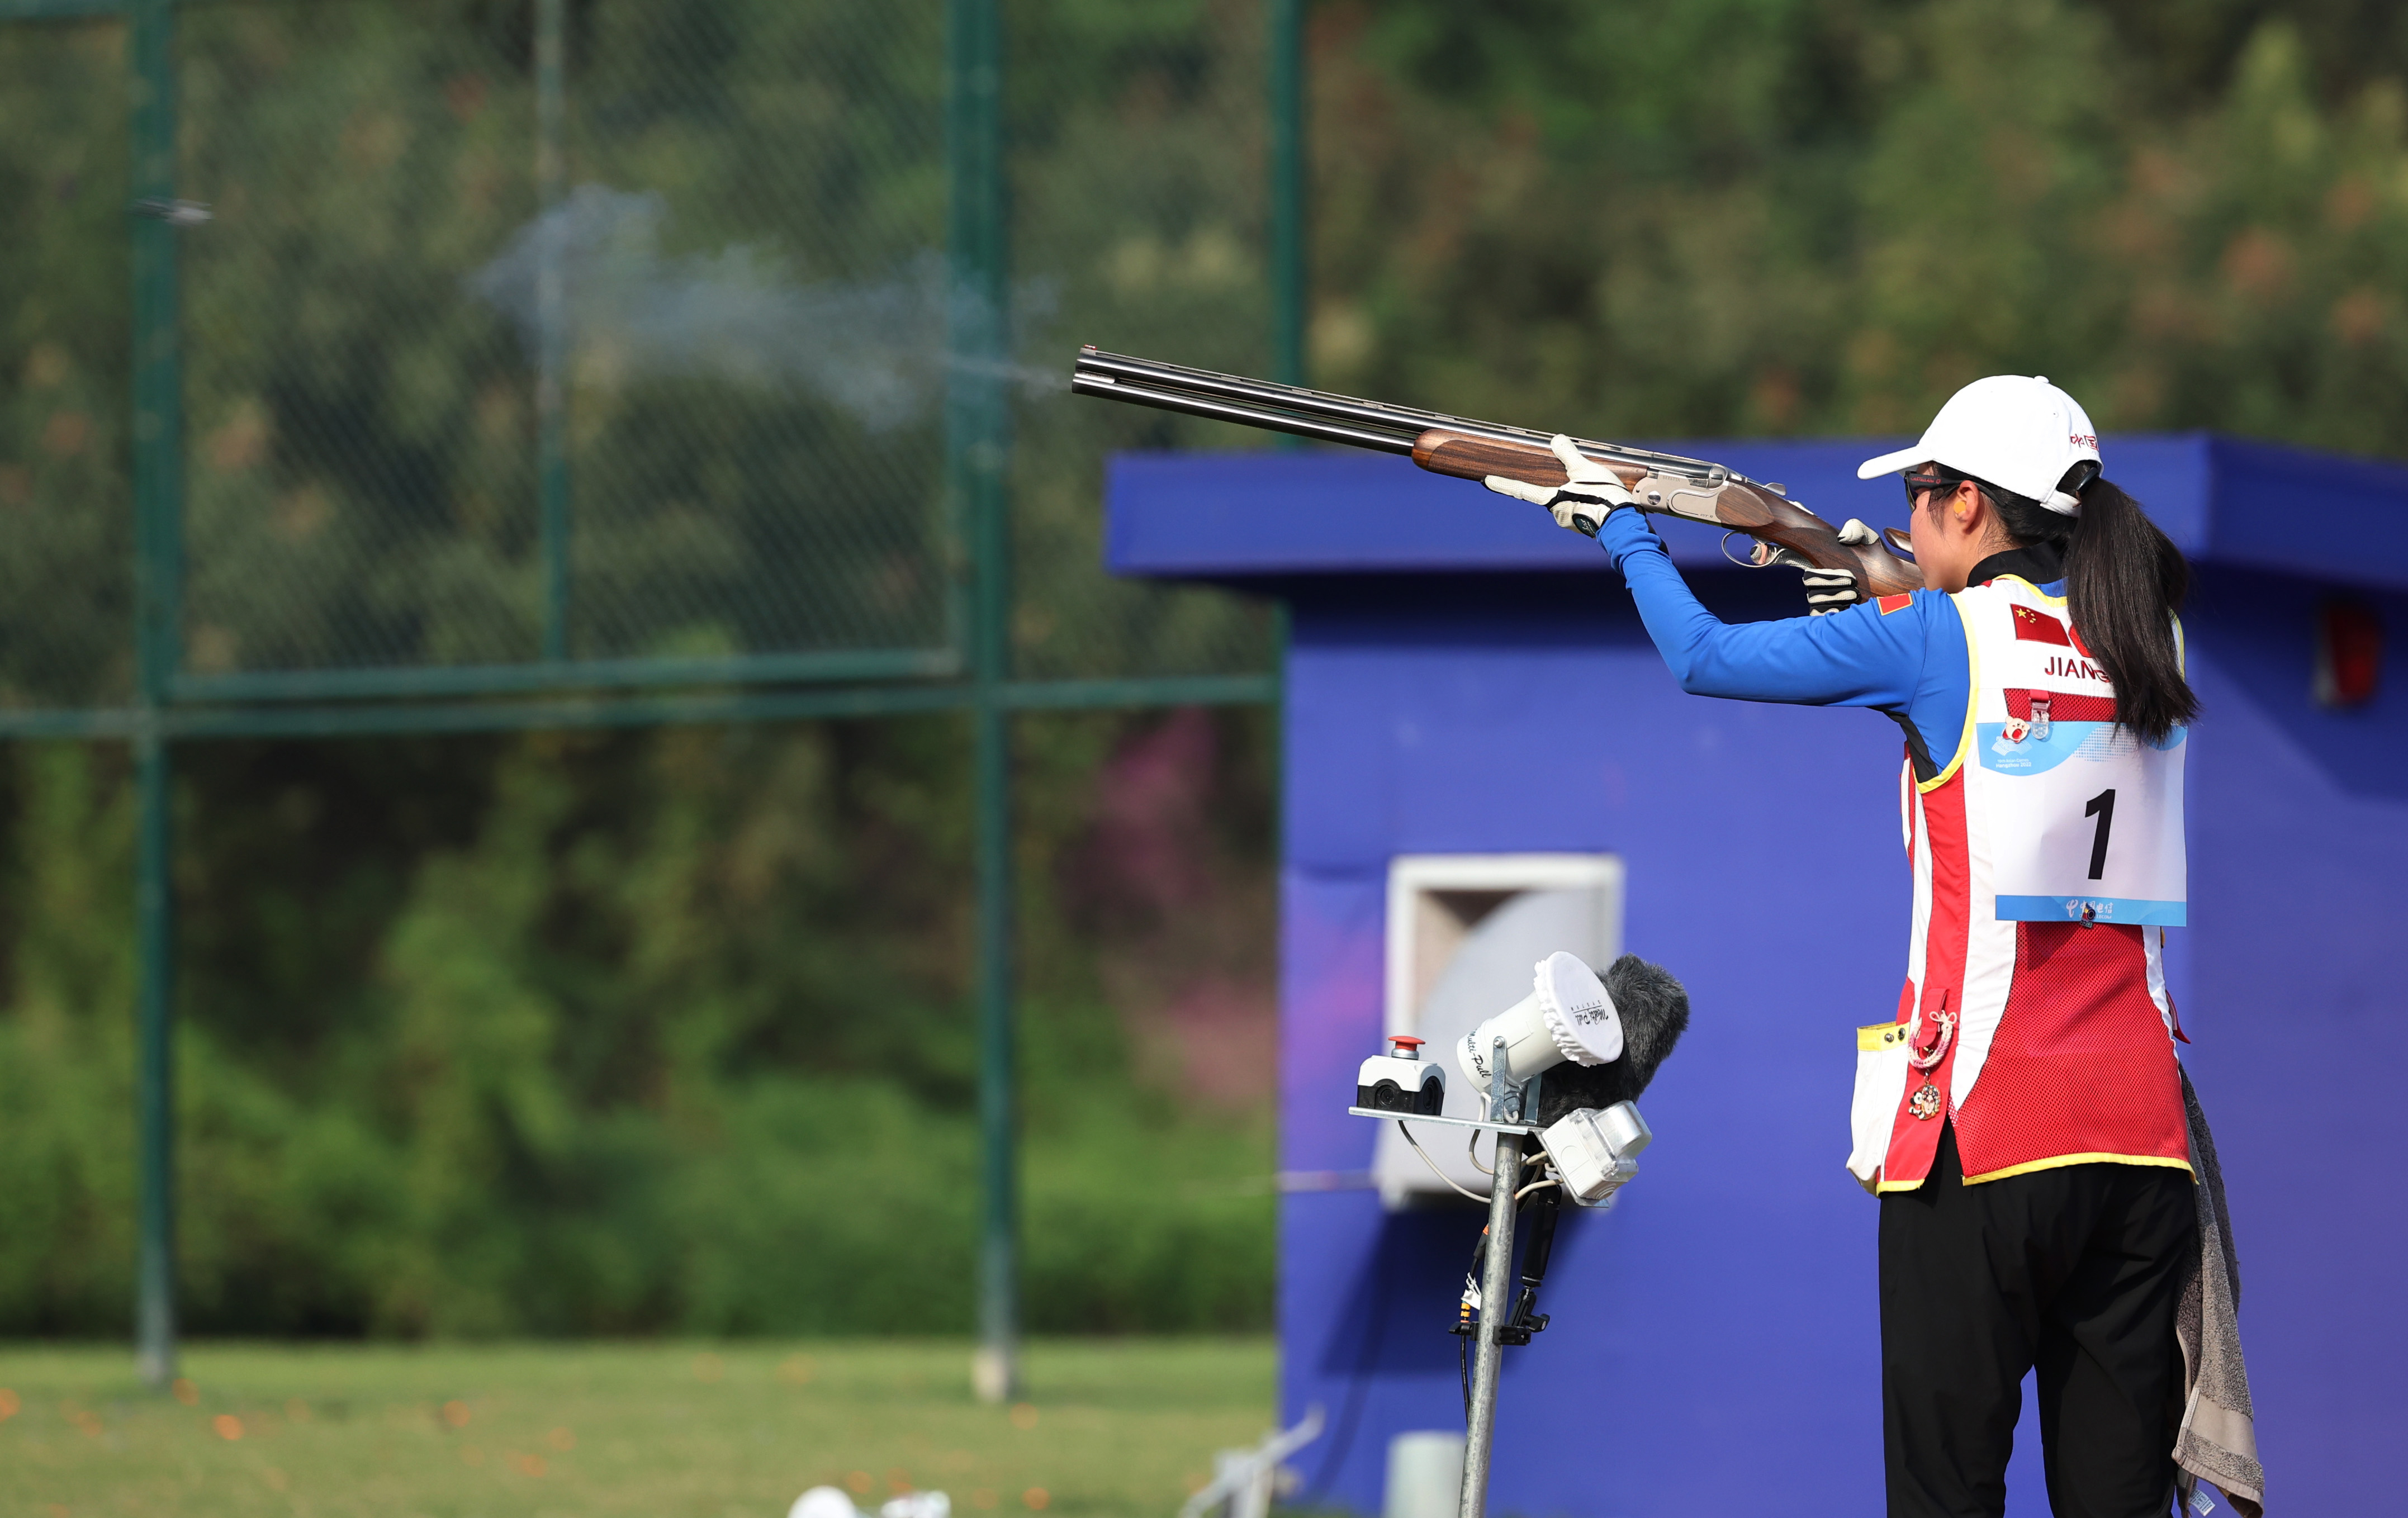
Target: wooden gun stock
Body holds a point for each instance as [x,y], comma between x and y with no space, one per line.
[1738,505]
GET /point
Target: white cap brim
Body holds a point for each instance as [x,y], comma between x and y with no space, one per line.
[1905,458]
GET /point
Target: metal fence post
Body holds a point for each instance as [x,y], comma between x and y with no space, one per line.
[1287,251]
[552,314]
[154,1289]
[1289,281]
[158,508]
[977,453]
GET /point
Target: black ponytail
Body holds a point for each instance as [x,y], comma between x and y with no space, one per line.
[2125,581]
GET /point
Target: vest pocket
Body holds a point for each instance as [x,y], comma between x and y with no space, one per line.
[1881,1085]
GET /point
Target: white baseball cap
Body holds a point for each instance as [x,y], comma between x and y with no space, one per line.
[2014,431]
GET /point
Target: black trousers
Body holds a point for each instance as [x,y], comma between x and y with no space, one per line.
[2076,1271]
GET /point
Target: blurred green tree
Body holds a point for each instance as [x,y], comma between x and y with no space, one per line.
[1782,216]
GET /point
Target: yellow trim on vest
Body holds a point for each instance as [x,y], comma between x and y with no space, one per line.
[1972,695]
[2060,1161]
[2077,1159]
[1875,1037]
[2053,600]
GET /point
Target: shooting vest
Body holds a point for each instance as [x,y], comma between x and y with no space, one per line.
[2048,862]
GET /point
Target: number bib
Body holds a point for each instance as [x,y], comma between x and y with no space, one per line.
[2086,821]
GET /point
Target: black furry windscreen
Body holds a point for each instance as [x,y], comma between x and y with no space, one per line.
[1654,1011]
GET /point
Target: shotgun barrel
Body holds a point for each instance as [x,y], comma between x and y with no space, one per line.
[1696,489]
[1318,413]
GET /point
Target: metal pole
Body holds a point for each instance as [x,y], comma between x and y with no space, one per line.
[158,508]
[1285,77]
[995,1370]
[154,1292]
[1496,1306]
[1286,73]
[977,452]
[552,324]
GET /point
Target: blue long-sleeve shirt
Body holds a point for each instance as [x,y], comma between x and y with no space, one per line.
[1904,656]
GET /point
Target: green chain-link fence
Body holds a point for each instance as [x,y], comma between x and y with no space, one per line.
[66,548]
[548,361]
[741,277]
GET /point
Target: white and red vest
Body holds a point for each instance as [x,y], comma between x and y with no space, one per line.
[2048,862]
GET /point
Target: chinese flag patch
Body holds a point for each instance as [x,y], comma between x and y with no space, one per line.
[1894,603]
[2039,627]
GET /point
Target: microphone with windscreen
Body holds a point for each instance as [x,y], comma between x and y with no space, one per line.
[1599,1038]
[1652,1010]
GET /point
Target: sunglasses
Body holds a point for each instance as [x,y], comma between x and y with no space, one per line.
[1917,483]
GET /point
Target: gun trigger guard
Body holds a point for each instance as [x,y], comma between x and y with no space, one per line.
[1772,555]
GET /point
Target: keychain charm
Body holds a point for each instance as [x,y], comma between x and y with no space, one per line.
[1926,1104]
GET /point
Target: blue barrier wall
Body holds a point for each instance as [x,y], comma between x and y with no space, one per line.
[1462,678]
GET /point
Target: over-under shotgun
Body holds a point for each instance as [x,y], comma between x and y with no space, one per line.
[1448,445]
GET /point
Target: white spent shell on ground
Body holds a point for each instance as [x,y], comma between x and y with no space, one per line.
[823,1502]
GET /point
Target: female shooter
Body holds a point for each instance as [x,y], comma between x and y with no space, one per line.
[2022,1119]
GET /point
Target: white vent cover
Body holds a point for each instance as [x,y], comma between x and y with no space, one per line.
[1463,932]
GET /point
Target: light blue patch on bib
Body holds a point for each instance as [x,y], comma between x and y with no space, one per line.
[2034,754]
[2107,910]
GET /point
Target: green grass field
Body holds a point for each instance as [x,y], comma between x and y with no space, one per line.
[729,1430]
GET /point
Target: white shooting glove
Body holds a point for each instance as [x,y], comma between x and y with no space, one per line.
[1827,590]
[1582,503]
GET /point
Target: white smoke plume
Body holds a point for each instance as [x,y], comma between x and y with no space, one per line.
[874,346]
